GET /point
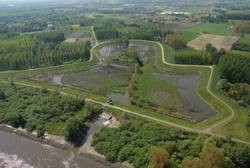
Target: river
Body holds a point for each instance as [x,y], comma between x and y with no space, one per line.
[19,152]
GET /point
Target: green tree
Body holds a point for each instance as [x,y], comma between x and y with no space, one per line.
[176,41]
[16,120]
[2,95]
[210,48]
[239,154]
[40,130]
[159,158]
[211,156]
[75,130]
[189,162]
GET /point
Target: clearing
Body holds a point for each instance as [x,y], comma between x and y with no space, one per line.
[217,41]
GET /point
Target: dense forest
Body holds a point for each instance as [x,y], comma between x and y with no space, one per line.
[42,110]
[149,145]
[235,68]
[208,57]
[40,49]
[241,46]
[109,29]
[193,57]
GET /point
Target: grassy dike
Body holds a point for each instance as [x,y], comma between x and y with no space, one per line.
[237,127]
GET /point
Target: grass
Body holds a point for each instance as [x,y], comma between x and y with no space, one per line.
[55,128]
[202,89]
[188,35]
[246,53]
[211,28]
[152,87]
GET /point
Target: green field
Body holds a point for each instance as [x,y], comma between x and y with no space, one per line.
[211,28]
[245,39]
[188,35]
[153,87]
[240,52]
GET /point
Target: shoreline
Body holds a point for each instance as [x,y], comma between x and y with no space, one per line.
[56,144]
[25,134]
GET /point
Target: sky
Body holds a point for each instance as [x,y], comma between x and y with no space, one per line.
[20,1]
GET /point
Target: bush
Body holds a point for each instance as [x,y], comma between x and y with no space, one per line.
[111,156]
[2,95]
[176,41]
[248,124]
[40,130]
[30,126]
[16,120]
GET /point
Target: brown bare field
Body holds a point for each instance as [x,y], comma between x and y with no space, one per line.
[178,25]
[217,41]
[76,36]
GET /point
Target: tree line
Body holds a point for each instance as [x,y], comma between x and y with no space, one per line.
[208,57]
[235,68]
[42,49]
[241,46]
[109,29]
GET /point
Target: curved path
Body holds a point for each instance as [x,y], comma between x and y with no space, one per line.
[211,68]
[207,130]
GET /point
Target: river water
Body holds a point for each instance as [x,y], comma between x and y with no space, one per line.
[19,152]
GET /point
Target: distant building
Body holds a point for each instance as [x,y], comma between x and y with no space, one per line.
[175,13]
[49,25]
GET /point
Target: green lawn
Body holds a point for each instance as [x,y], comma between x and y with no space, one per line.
[211,28]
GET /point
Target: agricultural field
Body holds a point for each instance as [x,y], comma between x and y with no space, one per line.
[211,28]
[78,33]
[178,25]
[220,42]
[187,35]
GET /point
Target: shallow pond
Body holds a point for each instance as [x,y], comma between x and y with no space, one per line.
[193,105]
[112,80]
